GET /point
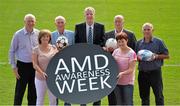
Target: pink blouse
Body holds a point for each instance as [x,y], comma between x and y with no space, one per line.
[123,61]
[43,59]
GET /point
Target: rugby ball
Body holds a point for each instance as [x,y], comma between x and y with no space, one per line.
[111,42]
[145,55]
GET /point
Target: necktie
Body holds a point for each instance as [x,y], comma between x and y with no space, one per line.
[90,39]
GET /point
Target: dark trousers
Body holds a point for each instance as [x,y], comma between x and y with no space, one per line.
[112,98]
[97,103]
[27,75]
[65,103]
[151,79]
[125,94]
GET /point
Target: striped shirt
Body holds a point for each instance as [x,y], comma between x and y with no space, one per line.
[21,46]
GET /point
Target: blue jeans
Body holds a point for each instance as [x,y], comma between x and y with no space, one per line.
[124,94]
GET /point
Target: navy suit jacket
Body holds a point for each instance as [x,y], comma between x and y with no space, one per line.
[98,33]
[131,37]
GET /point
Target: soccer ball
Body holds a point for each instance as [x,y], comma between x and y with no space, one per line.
[111,42]
[61,42]
[145,55]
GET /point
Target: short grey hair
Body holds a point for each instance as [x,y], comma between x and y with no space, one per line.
[60,18]
[119,17]
[147,24]
[29,16]
[89,9]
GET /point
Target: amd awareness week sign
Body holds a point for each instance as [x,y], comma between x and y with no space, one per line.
[82,73]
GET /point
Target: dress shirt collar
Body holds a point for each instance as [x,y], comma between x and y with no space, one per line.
[92,26]
[117,32]
[61,33]
[152,39]
[26,32]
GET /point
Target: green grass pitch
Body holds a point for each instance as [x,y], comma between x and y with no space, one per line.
[162,13]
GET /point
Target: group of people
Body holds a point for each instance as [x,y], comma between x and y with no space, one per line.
[31,51]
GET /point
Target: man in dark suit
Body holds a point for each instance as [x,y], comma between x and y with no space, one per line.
[119,23]
[90,32]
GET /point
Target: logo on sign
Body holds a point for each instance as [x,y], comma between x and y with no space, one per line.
[82,73]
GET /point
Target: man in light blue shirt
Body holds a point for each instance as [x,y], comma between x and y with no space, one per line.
[22,45]
[20,53]
[61,31]
[60,22]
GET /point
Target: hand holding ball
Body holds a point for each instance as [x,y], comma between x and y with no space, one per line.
[61,42]
[111,43]
[146,55]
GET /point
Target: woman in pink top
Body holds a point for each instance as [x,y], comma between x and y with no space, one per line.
[126,60]
[40,58]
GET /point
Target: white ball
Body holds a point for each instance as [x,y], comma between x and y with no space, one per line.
[145,55]
[111,42]
[62,41]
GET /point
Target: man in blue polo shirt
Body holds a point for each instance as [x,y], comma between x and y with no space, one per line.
[150,71]
[60,23]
